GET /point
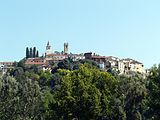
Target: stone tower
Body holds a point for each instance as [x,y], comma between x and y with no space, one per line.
[48,49]
[65,48]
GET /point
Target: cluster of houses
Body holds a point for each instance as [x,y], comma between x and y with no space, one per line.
[123,66]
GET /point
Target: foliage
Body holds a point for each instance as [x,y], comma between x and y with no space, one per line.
[19,100]
[78,90]
[69,64]
[31,53]
[133,93]
[37,54]
[27,52]
[86,93]
[154,93]
[34,52]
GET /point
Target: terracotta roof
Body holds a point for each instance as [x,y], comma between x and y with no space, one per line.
[100,57]
[37,58]
[55,55]
[136,62]
[132,61]
[34,63]
[7,63]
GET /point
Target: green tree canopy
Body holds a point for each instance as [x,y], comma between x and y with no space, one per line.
[86,93]
[19,100]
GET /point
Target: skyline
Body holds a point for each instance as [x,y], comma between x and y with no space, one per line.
[125,29]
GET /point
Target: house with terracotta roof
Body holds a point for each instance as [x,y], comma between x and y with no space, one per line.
[35,61]
[7,63]
[123,66]
[94,57]
[105,62]
[101,60]
[55,57]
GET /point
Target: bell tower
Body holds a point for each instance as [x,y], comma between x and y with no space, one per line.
[65,48]
[48,49]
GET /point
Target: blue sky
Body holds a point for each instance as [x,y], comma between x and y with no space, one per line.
[122,28]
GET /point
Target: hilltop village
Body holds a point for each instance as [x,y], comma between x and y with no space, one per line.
[122,66]
[66,86]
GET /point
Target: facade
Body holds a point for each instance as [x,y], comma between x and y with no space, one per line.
[138,67]
[76,57]
[96,58]
[55,57]
[122,66]
[133,65]
[7,63]
[116,63]
[102,65]
[35,61]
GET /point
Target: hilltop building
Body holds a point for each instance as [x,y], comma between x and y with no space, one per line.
[106,63]
[76,57]
[51,56]
[48,49]
[35,61]
[55,57]
[115,63]
[122,66]
[133,65]
[94,57]
[65,48]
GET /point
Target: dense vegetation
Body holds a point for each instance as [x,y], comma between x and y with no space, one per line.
[78,91]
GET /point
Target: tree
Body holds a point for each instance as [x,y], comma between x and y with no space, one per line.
[65,64]
[34,52]
[57,52]
[91,63]
[27,53]
[154,93]
[20,100]
[37,54]
[86,93]
[133,94]
[31,53]
[73,65]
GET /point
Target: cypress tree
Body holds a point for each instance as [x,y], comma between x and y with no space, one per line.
[27,53]
[31,53]
[37,54]
[34,52]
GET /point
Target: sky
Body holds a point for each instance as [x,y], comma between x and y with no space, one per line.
[122,28]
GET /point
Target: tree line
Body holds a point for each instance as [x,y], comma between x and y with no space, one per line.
[78,91]
[32,52]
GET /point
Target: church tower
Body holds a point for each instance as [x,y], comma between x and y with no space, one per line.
[48,49]
[65,48]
